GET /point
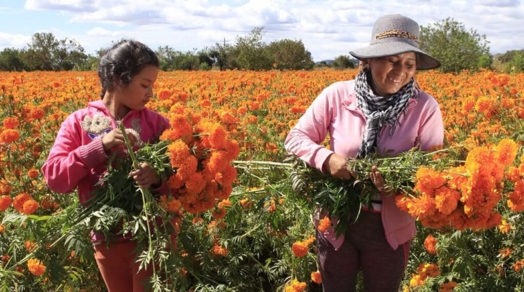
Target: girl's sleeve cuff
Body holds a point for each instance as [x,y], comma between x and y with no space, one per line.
[93,153]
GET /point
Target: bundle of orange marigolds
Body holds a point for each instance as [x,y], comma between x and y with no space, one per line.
[201,155]
[466,196]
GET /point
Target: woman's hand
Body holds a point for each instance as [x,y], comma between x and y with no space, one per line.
[336,165]
[116,138]
[145,176]
[378,180]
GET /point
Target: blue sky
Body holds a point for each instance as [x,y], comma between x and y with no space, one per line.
[327,28]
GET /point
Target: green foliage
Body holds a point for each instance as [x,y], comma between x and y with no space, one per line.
[11,60]
[251,51]
[513,61]
[455,47]
[343,62]
[45,52]
[257,237]
[290,55]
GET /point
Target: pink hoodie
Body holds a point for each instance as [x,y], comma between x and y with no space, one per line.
[78,159]
[335,111]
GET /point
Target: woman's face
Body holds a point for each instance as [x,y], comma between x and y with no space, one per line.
[391,73]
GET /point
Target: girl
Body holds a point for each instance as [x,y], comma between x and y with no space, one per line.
[89,136]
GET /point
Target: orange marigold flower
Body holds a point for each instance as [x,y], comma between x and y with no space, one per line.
[246,203]
[225,203]
[178,152]
[219,213]
[505,252]
[448,286]
[36,267]
[37,113]
[180,129]
[30,206]
[195,184]
[30,245]
[170,204]
[506,152]
[428,270]
[9,135]
[188,168]
[198,220]
[316,277]
[446,200]
[18,202]
[33,173]
[5,201]
[428,179]
[217,137]
[517,266]
[300,249]
[228,175]
[218,161]
[2,228]
[232,149]
[324,224]
[430,244]
[11,123]
[219,250]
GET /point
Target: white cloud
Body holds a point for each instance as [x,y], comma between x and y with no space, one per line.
[63,5]
[102,32]
[13,40]
[327,28]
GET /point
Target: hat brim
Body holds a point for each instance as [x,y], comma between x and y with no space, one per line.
[424,61]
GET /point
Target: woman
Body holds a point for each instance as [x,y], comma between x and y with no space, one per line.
[380,111]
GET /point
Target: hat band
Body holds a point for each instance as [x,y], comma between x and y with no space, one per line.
[396,33]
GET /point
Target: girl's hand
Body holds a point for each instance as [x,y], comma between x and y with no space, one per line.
[116,138]
[378,180]
[145,176]
[336,165]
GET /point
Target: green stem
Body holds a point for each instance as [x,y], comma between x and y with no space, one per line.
[145,193]
[249,162]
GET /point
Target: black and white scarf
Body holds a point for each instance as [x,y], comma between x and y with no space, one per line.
[379,110]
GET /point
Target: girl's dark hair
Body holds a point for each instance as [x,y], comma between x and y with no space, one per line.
[123,61]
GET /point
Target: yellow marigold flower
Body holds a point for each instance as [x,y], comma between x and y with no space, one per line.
[295,286]
[505,227]
[416,280]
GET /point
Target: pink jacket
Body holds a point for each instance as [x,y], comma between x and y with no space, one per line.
[335,111]
[78,159]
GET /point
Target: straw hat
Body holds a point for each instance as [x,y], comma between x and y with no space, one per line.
[392,35]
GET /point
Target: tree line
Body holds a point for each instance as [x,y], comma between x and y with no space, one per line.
[448,40]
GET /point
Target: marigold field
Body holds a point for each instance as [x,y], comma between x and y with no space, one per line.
[262,237]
